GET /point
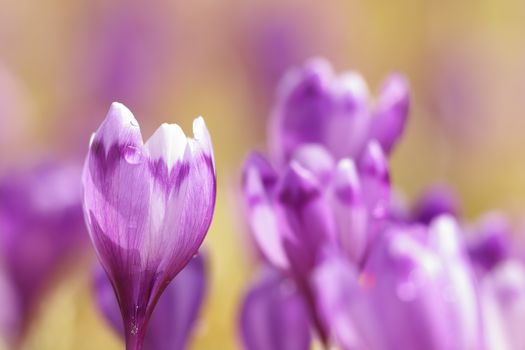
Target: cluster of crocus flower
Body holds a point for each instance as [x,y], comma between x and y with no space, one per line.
[344,255]
[148,207]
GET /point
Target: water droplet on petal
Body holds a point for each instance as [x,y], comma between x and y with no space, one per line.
[132,154]
[134,329]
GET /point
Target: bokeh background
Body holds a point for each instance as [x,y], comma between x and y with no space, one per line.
[63,62]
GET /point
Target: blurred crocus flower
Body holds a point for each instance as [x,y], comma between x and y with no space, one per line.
[416,290]
[435,201]
[148,207]
[41,227]
[316,106]
[489,243]
[177,311]
[315,202]
[274,315]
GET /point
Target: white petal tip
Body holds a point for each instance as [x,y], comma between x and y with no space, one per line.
[167,143]
[120,112]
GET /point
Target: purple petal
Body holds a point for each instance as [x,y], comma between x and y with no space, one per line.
[148,207]
[316,106]
[490,243]
[391,112]
[259,181]
[176,313]
[376,189]
[416,291]
[316,159]
[41,227]
[348,126]
[273,316]
[303,105]
[337,290]
[309,216]
[503,291]
[350,210]
[435,201]
[11,314]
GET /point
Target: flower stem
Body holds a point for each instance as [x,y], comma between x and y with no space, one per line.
[134,339]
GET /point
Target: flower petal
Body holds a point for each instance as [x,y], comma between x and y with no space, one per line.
[304,104]
[350,210]
[435,201]
[259,181]
[391,112]
[307,210]
[274,316]
[489,245]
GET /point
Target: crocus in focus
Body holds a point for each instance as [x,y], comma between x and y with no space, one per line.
[41,227]
[148,207]
[316,106]
[176,313]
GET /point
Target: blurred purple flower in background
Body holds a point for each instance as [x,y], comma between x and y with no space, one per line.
[435,201]
[489,243]
[316,106]
[313,200]
[148,207]
[176,314]
[273,315]
[41,227]
[416,290]
[370,270]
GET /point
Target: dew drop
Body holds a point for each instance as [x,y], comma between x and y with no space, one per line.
[134,329]
[132,154]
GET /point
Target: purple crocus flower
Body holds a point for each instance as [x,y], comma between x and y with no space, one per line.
[489,244]
[316,106]
[416,290]
[41,227]
[435,201]
[148,207]
[274,315]
[315,202]
[177,311]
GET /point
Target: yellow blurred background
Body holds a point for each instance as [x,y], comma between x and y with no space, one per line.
[63,62]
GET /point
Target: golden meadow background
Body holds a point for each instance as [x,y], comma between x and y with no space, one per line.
[175,60]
